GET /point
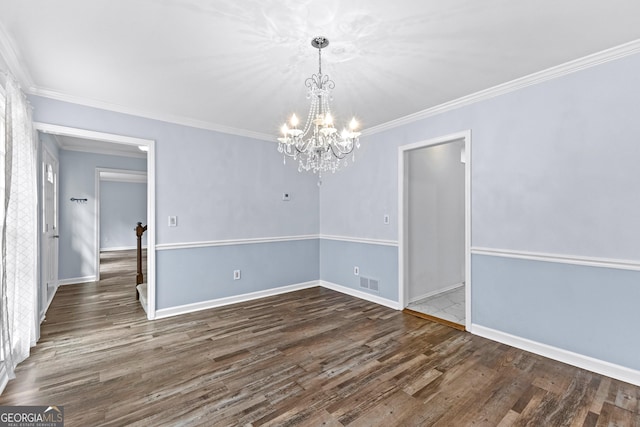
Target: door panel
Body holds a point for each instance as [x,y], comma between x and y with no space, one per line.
[49,230]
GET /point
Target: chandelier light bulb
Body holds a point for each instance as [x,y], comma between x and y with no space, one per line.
[284,129]
[353,125]
[328,120]
[294,121]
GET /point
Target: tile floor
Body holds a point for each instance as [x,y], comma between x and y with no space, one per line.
[447,305]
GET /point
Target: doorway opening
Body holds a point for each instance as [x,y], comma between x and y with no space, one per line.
[91,141]
[434,234]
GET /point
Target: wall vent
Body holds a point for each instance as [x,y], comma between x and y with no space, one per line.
[369,284]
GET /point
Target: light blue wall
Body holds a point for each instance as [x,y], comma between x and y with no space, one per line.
[554,170]
[338,258]
[587,310]
[202,274]
[553,167]
[77,254]
[122,206]
[220,186]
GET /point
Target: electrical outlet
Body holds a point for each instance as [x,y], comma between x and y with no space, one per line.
[356,271]
[236,274]
[385,219]
[173,221]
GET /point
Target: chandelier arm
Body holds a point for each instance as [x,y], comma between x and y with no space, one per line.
[286,150]
[340,154]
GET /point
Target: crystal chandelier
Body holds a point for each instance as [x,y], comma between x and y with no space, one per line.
[318,146]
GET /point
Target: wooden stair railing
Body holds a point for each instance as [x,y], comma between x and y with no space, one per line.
[139,277]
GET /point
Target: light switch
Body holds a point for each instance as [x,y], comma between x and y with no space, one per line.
[173,221]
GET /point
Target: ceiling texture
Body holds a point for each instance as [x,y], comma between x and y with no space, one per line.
[239,65]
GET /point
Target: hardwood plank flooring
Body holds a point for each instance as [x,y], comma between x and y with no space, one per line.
[309,358]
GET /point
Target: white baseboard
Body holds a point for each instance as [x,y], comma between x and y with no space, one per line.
[436,292]
[76,280]
[190,308]
[362,295]
[618,372]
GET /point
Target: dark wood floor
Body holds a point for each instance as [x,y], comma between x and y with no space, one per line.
[313,357]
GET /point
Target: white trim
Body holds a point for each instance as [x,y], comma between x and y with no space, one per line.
[121,248]
[251,241]
[562,259]
[204,305]
[108,152]
[89,134]
[231,242]
[76,280]
[118,175]
[50,300]
[436,292]
[402,150]
[598,366]
[359,240]
[362,295]
[153,115]
[151,229]
[588,61]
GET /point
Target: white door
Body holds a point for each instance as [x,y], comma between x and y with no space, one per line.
[49,230]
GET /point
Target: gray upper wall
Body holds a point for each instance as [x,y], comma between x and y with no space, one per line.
[554,168]
[553,171]
[219,186]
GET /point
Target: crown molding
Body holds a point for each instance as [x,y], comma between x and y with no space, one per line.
[104,151]
[588,61]
[10,55]
[153,115]
[573,66]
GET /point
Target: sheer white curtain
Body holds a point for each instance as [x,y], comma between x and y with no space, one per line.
[18,236]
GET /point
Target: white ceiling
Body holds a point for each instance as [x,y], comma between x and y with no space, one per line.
[241,64]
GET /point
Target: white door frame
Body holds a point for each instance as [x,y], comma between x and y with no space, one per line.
[151,194]
[403,212]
